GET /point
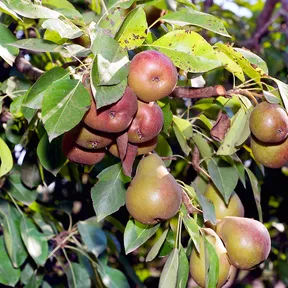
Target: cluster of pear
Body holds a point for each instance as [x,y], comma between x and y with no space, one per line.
[152,76]
[239,242]
[269,142]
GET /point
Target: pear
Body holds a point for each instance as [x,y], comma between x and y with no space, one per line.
[247,241]
[153,195]
[197,260]
[88,138]
[112,118]
[270,154]
[233,208]
[147,122]
[269,122]
[78,155]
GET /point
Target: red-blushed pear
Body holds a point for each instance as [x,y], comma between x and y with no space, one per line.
[269,122]
[197,260]
[233,208]
[153,194]
[147,123]
[143,148]
[269,154]
[88,138]
[152,75]
[113,118]
[75,154]
[247,241]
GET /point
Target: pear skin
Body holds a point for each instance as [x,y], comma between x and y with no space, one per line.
[153,195]
[197,260]
[234,207]
[247,241]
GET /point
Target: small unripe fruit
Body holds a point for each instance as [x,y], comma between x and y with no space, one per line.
[152,75]
[233,208]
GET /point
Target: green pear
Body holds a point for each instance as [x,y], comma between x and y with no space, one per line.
[197,260]
[247,241]
[233,208]
[153,195]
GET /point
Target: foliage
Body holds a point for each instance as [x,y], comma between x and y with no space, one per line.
[63,224]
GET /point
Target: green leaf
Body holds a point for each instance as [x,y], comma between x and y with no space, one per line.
[211,265]
[168,244]
[64,27]
[8,274]
[168,278]
[37,45]
[36,280]
[183,269]
[10,219]
[113,278]
[35,242]
[202,145]
[124,4]
[78,276]
[30,174]
[28,9]
[193,230]
[156,247]
[168,116]
[50,154]
[187,16]
[163,149]
[132,32]
[256,192]
[4,8]
[224,176]
[108,194]
[64,105]
[253,59]
[238,132]
[112,22]
[283,89]
[44,224]
[15,87]
[231,65]
[188,51]
[183,131]
[8,53]
[35,95]
[15,187]
[136,234]
[6,158]
[254,73]
[26,273]
[93,237]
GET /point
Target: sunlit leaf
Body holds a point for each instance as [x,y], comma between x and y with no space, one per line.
[156,247]
[35,242]
[196,18]
[108,194]
[183,269]
[6,158]
[136,234]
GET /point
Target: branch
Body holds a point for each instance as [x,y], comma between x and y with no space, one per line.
[263,22]
[25,67]
[205,92]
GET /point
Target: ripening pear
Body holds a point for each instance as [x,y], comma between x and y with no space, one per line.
[269,122]
[197,260]
[233,208]
[247,241]
[270,154]
[153,195]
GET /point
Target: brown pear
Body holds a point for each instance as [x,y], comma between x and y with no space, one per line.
[113,118]
[153,194]
[247,241]
[147,123]
[197,260]
[270,155]
[269,122]
[233,208]
[143,148]
[88,138]
[75,154]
